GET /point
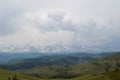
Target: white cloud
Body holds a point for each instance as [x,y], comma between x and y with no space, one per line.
[78,22]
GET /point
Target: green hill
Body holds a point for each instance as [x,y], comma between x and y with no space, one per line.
[98,67]
[49,60]
[110,63]
[4,75]
[107,68]
[113,75]
[52,60]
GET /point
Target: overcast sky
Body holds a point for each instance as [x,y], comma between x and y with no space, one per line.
[69,22]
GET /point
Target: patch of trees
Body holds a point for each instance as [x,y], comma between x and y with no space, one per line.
[13,78]
[115,75]
[57,72]
[65,74]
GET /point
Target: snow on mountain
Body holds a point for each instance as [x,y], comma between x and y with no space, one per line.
[26,48]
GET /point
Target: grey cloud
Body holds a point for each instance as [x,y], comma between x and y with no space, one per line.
[9,14]
[56,23]
[90,33]
[7,24]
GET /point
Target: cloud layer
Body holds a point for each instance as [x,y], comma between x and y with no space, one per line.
[77,23]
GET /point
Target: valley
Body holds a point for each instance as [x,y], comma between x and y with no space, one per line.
[96,68]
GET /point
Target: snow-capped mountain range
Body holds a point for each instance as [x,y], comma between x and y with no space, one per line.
[26,48]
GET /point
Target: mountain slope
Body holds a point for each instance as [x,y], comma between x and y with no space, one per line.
[50,60]
[113,75]
[107,68]
[4,74]
[98,67]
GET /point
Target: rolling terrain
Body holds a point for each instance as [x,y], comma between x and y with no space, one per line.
[97,67]
[106,68]
[5,74]
[113,75]
[49,60]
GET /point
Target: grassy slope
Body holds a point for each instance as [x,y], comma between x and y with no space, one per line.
[103,69]
[4,74]
[92,69]
[99,66]
[112,75]
[50,60]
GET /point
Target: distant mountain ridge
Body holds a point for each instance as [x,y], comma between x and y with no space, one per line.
[5,57]
[28,48]
[24,61]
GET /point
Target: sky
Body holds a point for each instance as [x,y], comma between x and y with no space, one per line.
[92,23]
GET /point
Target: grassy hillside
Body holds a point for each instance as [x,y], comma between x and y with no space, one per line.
[51,60]
[107,64]
[4,74]
[113,75]
[107,68]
